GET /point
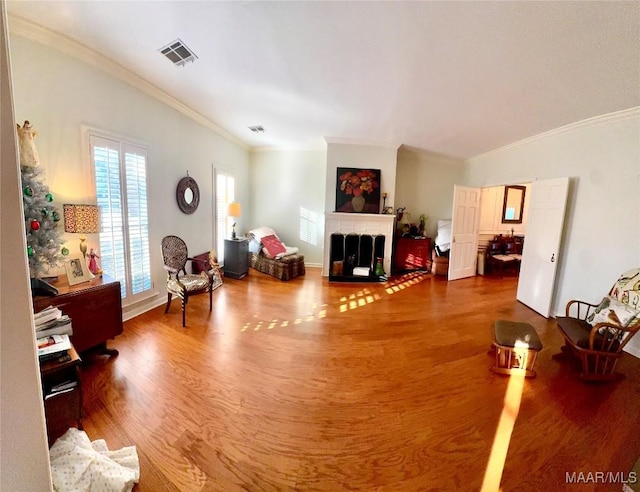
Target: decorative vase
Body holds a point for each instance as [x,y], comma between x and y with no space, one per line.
[358,203]
[379,270]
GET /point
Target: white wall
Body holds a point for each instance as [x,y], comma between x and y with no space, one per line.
[602,226]
[58,94]
[362,156]
[282,184]
[424,184]
[24,459]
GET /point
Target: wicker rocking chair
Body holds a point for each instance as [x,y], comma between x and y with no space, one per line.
[596,334]
[179,282]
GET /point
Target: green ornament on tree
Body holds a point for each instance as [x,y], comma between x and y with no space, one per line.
[55,216]
[64,251]
[28,191]
[29,251]
[46,212]
[49,197]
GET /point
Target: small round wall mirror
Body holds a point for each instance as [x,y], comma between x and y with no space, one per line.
[188,195]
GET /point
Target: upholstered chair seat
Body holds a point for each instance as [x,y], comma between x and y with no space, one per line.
[189,283]
[596,334]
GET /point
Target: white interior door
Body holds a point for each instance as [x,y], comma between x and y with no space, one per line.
[542,243]
[464,231]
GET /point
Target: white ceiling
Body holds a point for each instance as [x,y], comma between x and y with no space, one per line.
[457,78]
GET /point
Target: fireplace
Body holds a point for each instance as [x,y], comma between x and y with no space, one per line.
[354,257]
[349,229]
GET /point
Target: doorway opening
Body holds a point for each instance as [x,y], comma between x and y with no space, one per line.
[502,229]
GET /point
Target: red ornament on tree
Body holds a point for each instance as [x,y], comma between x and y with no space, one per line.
[35,225]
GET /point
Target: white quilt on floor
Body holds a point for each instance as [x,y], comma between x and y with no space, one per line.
[80,465]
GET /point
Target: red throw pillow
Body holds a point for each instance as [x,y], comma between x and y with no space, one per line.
[273,245]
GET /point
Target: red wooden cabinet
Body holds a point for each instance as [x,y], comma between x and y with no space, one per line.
[412,253]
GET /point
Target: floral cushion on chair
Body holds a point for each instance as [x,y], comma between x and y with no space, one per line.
[610,310]
[627,288]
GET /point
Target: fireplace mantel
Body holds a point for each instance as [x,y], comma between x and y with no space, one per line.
[345,223]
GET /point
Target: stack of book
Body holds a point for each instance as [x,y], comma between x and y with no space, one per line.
[52,333]
[63,387]
[51,321]
[53,346]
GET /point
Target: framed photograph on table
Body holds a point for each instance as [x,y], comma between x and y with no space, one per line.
[77,270]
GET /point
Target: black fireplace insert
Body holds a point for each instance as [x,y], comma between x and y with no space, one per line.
[356,258]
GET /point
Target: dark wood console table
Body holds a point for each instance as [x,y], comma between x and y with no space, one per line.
[95,309]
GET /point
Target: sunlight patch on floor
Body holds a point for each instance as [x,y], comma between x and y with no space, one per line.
[406,280]
[356,300]
[510,410]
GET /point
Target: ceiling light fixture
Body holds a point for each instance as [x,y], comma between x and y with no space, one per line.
[257,129]
[178,53]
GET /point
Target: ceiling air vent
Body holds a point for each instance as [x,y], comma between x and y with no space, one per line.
[178,53]
[257,129]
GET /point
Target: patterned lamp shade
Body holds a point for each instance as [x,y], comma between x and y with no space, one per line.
[81,219]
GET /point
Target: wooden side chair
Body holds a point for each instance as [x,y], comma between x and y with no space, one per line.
[596,334]
[498,259]
[182,284]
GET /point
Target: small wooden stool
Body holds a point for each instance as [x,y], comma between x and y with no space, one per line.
[517,346]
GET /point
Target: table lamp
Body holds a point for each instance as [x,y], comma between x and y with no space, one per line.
[234,210]
[81,219]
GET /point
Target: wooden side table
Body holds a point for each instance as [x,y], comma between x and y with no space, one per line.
[62,393]
[236,258]
[95,309]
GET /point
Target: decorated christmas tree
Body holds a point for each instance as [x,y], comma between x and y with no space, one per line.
[44,239]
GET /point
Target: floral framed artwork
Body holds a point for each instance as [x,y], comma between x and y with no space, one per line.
[77,270]
[358,190]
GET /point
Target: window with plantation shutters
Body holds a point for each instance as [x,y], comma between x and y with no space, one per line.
[225,194]
[121,190]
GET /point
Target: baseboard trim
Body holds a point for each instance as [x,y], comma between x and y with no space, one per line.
[137,309]
[635,351]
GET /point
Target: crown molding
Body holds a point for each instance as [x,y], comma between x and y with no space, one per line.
[622,115]
[22,27]
[360,141]
[307,148]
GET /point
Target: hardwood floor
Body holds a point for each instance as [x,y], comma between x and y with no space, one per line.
[306,385]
